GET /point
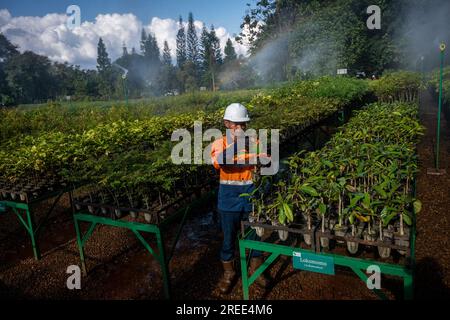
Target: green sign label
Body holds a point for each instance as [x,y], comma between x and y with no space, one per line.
[313,262]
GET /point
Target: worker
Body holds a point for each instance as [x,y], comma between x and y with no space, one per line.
[235,179]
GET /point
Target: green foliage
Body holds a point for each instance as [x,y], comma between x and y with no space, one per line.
[76,117]
[434,84]
[363,174]
[318,37]
[397,86]
[126,150]
[230,52]
[340,91]
[28,77]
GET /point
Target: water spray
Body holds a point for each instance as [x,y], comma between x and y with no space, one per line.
[124,81]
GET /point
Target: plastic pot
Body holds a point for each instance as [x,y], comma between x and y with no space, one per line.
[352,247]
[13,195]
[147,217]
[259,231]
[307,238]
[133,214]
[118,213]
[370,236]
[77,206]
[404,242]
[23,196]
[324,242]
[385,252]
[340,231]
[282,234]
[91,209]
[104,211]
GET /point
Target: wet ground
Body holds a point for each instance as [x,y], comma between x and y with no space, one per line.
[120,268]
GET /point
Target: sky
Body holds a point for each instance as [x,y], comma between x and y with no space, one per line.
[40,26]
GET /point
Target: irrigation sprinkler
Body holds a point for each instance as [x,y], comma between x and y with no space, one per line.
[437,170]
[124,81]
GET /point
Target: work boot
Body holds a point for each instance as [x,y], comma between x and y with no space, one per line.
[228,276]
[262,280]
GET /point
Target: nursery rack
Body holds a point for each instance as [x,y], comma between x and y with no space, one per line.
[404,271]
[21,202]
[136,227]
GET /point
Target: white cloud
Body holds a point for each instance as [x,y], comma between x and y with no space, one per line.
[49,35]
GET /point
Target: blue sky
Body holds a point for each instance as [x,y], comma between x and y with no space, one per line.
[41,25]
[225,13]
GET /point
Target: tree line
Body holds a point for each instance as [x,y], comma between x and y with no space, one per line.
[31,78]
[288,40]
[295,39]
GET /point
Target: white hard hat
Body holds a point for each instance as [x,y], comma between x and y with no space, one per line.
[236,112]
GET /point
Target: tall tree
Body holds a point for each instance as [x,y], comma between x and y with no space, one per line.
[29,77]
[205,49]
[230,52]
[215,47]
[7,50]
[167,79]
[192,50]
[143,40]
[103,61]
[104,70]
[152,62]
[151,50]
[181,44]
[167,58]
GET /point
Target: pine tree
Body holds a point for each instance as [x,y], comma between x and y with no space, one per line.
[192,52]
[143,40]
[104,70]
[151,61]
[205,52]
[103,61]
[230,53]
[151,50]
[167,58]
[167,76]
[181,44]
[215,47]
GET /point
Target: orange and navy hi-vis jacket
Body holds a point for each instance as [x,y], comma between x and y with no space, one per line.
[235,179]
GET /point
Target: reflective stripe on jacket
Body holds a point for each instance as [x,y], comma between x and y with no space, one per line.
[234,179]
[229,172]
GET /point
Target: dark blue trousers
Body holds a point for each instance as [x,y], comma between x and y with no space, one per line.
[231,224]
